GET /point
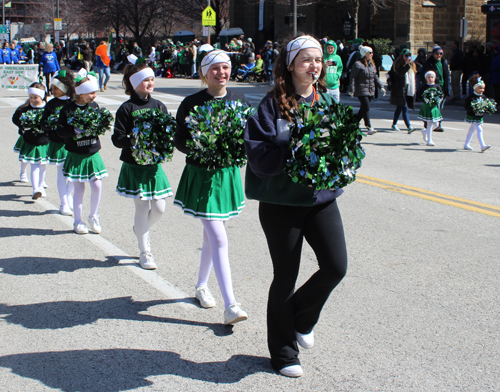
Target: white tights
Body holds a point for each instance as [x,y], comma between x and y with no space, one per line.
[215,252]
[473,128]
[95,198]
[64,187]
[145,217]
[37,176]
[24,168]
[428,131]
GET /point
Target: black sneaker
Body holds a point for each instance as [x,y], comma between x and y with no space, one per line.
[438,129]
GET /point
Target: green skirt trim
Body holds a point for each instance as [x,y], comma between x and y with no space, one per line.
[143,182]
[34,154]
[474,119]
[56,153]
[19,144]
[84,167]
[210,194]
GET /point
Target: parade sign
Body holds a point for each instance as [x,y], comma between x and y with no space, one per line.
[18,76]
[208,17]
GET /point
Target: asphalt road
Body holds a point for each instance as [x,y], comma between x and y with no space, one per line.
[417,311]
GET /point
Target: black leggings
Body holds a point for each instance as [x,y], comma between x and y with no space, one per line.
[288,310]
[364,110]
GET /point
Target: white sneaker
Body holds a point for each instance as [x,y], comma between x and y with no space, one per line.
[65,210]
[371,131]
[44,194]
[45,185]
[234,314]
[36,195]
[80,228]
[292,371]
[204,296]
[430,144]
[395,128]
[467,148]
[305,340]
[94,225]
[483,149]
[147,261]
[23,178]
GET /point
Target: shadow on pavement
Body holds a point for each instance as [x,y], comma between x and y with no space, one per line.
[12,197]
[12,213]
[432,149]
[67,314]
[126,369]
[20,266]
[18,232]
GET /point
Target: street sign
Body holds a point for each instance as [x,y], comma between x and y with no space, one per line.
[208,17]
[57,24]
[4,29]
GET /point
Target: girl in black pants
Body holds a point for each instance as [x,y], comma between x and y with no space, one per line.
[290,212]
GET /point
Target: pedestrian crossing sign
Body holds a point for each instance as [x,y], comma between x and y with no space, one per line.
[208,17]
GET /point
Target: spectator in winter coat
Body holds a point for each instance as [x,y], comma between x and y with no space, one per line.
[49,64]
[5,54]
[456,68]
[333,67]
[14,53]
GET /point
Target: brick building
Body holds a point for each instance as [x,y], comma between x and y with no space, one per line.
[417,23]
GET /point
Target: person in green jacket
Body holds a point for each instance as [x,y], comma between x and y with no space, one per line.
[333,67]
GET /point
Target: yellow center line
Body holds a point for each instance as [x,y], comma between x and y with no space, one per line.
[432,196]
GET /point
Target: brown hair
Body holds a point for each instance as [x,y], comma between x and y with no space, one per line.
[129,70]
[401,62]
[284,90]
[69,82]
[473,80]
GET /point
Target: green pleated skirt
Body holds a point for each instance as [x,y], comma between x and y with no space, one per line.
[474,119]
[84,167]
[34,154]
[210,194]
[148,182]
[429,113]
[56,154]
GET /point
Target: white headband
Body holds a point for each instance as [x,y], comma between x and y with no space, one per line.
[37,91]
[213,57]
[428,73]
[60,85]
[479,83]
[88,87]
[138,77]
[296,45]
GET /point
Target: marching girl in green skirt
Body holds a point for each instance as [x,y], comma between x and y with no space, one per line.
[429,112]
[23,176]
[141,176]
[83,162]
[62,86]
[34,145]
[475,118]
[212,195]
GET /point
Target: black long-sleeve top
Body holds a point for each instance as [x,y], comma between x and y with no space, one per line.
[85,145]
[50,108]
[425,87]
[125,122]
[182,132]
[29,136]
[467,104]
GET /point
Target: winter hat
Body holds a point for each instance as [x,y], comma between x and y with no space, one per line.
[436,48]
[404,52]
[363,50]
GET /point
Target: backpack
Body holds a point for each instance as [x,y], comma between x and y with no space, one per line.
[390,78]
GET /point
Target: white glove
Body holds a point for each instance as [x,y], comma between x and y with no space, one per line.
[351,94]
[383,91]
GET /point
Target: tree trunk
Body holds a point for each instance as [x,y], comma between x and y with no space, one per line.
[355,13]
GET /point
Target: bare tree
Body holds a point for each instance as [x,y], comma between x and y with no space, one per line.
[193,9]
[103,14]
[73,22]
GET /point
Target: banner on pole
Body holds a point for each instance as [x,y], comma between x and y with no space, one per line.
[18,76]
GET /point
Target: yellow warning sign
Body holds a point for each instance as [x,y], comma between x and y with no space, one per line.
[208,17]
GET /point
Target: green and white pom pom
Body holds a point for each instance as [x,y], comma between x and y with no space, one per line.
[481,106]
[154,137]
[54,118]
[217,133]
[31,120]
[432,96]
[90,122]
[325,143]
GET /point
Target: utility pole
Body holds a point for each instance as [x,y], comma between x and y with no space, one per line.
[294,17]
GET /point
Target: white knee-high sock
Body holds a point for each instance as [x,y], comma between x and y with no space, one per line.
[43,172]
[24,168]
[472,129]
[156,212]
[70,187]
[61,186]
[479,129]
[141,223]
[206,261]
[35,177]
[78,200]
[95,196]
[430,127]
[216,233]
